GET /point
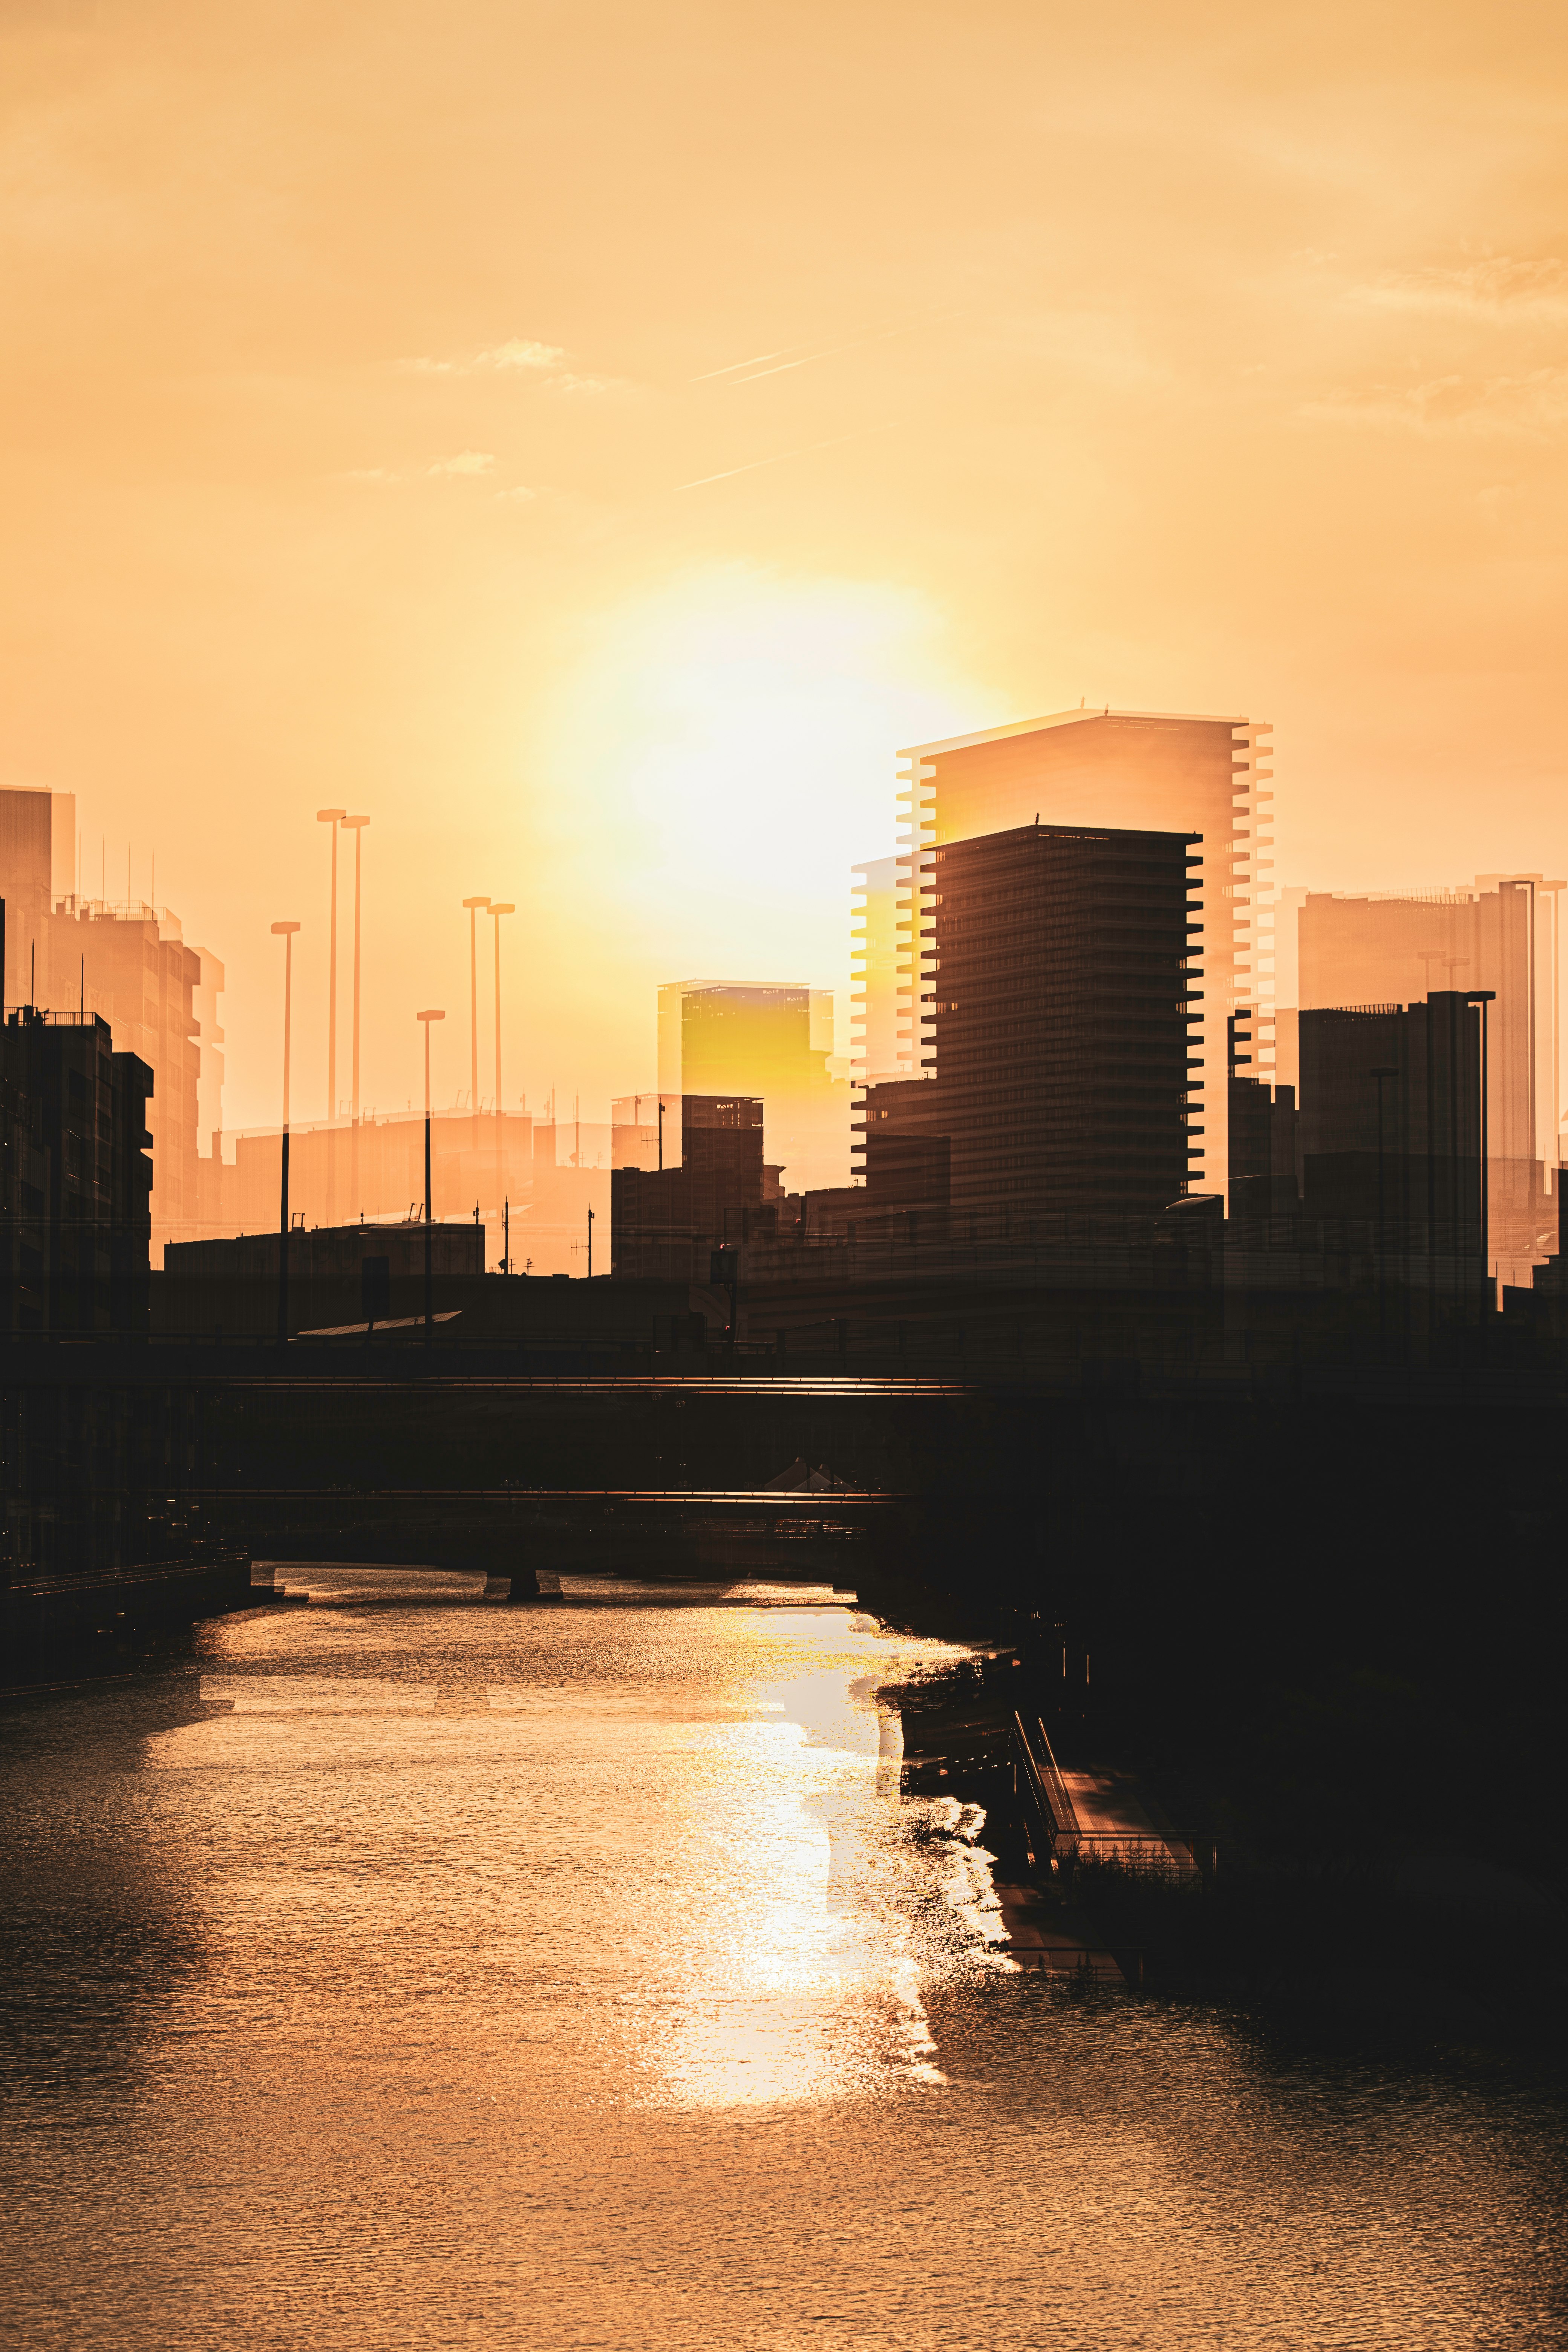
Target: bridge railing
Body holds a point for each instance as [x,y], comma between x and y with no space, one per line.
[1043,1790]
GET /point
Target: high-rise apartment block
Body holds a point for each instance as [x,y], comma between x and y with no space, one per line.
[1063,993]
[882,1034]
[1123,770]
[1499,934]
[130,964]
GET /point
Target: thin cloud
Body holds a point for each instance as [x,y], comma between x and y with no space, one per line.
[1532,403]
[518,355]
[518,495]
[1492,284]
[805,450]
[466,461]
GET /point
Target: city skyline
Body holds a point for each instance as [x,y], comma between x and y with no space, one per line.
[1241,389]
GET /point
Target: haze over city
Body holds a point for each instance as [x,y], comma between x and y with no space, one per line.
[600,492]
[784,1330]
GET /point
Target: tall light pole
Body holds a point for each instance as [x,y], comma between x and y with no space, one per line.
[473,906]
[331,818]
[286,931]
[356,825]
[426,1019]
[498,907]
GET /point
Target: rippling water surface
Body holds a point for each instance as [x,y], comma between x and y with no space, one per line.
[398,1972]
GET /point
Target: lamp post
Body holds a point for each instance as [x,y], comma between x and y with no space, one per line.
[332,818]
[286,932]
[356,825]
[499,906]
[473,906]
[426,1019]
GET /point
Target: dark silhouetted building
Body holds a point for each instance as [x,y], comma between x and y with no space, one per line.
[1139,770]
[1061,1006]
[1400,1151]
[75,1179]
[664,1221]
[1500,932]
[338,1275]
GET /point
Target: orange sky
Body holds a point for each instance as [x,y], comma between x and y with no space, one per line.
[362,367]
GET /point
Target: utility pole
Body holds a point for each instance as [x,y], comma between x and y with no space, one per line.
[590,1243]
[429,1320]
[286,931]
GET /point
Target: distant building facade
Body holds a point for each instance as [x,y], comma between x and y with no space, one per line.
[130,964]
[770,1039]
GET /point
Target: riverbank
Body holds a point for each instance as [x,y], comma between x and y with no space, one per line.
[1234,1867]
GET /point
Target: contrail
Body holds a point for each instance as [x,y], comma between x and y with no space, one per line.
[805,450]
[754,361]
[829,350]
[776,363]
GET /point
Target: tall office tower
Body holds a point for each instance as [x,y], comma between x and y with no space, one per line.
[1133,770]
[1061,1014]
[1500,932]
[37,866]
[771,1039]
[129,963]
[132,967]
[1390,1124]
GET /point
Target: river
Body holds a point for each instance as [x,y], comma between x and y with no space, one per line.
[402,1971]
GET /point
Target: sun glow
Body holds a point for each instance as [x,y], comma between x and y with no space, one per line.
[728,746]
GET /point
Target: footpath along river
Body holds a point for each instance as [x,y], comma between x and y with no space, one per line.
[402,1972]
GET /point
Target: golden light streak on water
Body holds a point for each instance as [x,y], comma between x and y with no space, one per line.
[403,1972]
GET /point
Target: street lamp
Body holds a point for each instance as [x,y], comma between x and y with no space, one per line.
[473,906]
[286,932]
[333,817]
[427,1018]
[499,906]
[356,825]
